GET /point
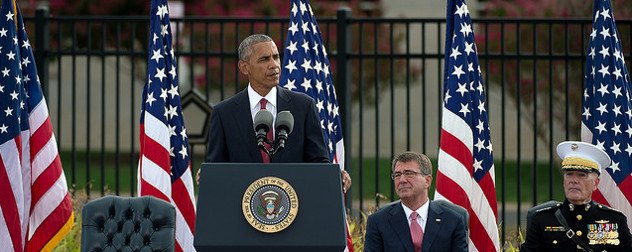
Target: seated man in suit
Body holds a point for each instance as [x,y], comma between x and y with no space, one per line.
[415,224]
[232,137]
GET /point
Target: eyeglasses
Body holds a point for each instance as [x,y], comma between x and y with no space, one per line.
[407,173]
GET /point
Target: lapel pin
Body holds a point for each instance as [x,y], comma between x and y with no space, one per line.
[438,220]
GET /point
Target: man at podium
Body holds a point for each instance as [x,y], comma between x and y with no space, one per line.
[232,137]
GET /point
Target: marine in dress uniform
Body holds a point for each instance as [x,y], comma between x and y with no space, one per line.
[588,226]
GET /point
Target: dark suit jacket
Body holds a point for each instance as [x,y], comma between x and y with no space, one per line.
[388,230]
[233,139]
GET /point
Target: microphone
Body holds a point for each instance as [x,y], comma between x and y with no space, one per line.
[263,124]
[284,126]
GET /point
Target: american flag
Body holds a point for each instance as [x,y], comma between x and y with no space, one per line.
[607,109]
[466,165]
[164,169]
[35,204]
[306,69]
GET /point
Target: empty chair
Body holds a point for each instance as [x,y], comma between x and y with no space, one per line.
[114,223]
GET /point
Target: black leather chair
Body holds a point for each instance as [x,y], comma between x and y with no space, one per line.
[114,223]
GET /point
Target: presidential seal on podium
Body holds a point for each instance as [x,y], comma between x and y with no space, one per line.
[270,204]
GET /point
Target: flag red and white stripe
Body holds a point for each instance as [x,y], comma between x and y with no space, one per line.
[607,109]
[466,166]
[35,204]
[164,169]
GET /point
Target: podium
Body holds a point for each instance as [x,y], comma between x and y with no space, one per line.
[231,213]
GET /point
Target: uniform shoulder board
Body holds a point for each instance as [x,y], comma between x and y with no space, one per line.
[544,207]
[607,208]
[548,208]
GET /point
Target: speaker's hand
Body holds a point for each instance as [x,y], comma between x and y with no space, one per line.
[346,180]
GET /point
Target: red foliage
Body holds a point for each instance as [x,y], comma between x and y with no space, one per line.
[216,37]
[552,8]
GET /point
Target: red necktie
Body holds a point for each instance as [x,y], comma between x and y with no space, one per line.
[416,232]
[264,155]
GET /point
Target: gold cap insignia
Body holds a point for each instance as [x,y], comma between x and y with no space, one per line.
[582,156]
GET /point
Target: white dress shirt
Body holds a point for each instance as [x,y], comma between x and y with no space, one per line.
[422,214]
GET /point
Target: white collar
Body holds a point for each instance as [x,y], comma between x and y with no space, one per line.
[422,211]
[254,97]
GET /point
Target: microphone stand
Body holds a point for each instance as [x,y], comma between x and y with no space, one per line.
[272,151]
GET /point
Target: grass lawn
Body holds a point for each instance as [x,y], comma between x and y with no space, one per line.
[106,169]
[103,172]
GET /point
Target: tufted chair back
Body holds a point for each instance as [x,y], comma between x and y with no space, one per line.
[114,223]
